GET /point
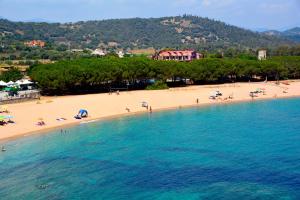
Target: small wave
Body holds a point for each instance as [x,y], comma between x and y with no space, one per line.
[87,122]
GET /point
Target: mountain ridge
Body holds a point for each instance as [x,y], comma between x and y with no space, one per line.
[292,34]
[133,33]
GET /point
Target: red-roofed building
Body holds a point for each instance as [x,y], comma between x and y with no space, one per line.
[177,55]
[35,43]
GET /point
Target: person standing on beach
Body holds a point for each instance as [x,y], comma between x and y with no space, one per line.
[150,110]
[252,95]
[197,101]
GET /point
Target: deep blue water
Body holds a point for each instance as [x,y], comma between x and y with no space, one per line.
[240,151]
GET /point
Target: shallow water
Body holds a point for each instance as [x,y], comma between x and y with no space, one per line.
[241,151]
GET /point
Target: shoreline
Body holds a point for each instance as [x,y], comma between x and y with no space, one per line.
[110,116]
[93,120]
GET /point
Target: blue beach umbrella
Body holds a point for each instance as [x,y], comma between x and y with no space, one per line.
[9,117]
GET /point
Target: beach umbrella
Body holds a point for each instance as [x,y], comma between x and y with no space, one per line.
[214,93]
[2,83]
[19,82]
[24,82]
[9,117]
[8,89]
[10,83]
[144,104]
[27,82]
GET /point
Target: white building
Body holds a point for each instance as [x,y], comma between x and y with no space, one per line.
[262,54]
[99,52]
[121,54]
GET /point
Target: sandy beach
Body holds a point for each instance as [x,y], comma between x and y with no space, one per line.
[102,106]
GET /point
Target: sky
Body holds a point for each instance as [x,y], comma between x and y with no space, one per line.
[250,14]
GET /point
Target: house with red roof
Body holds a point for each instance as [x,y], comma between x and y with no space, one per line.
[35,43]
[178,55]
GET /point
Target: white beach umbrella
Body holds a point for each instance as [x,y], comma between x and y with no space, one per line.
[23,82]
[10,83]
[27,82]
[214,93]
[2,83]
[19,82]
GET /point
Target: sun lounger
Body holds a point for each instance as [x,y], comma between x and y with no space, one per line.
[61,119]
[41,123]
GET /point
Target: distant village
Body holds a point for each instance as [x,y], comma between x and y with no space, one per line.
[175,55]
[184,55]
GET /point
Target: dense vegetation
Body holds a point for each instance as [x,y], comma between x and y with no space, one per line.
[88,75]
[12,74]
[18,51]
[174,32]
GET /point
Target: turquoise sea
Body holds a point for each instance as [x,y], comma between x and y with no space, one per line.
[239,151]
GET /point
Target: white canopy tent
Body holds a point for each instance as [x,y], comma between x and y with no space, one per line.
[24,82]
[19,82]
[27,82]
[10,83]
[2,83]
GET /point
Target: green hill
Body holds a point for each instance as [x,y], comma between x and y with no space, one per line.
[291,34]
[168,32]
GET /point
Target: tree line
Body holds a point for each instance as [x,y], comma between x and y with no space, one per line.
[86,75]
[13,74]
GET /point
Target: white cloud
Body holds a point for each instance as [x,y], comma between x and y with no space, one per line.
[217,3]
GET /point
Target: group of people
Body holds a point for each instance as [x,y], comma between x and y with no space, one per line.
[144,105]
[111,92]
[41,123]
[4,110]
[217,95]
[258,91]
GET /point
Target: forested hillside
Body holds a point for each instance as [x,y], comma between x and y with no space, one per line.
[291,34]
[168,32]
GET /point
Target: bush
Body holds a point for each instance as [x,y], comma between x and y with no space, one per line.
[12,74]
[158,85]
